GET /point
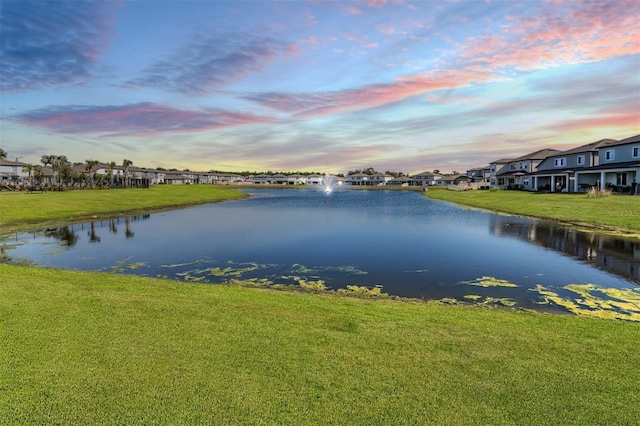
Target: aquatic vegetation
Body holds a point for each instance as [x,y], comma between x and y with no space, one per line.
[616,303]
[313,286]
[302,269]
[473,296]
[179,265]
[486,281]
[137,265]
[363,291]
[504,301]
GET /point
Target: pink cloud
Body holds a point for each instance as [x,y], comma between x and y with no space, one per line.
[368,96]
[386,29]
[376,3]
[622,119]
[355,10]
[136,119]
[568,32]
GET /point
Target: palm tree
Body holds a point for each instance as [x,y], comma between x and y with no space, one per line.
[28,168]
[59,162]
[3,154]
[89,167]
[37,174]
[126,164]
[110,166]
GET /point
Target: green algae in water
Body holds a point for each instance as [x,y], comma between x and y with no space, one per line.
[595,301]
[137,265]
[486,281]
[473,296]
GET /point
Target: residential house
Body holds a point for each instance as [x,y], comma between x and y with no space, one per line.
[400,181]
[516,172]
[376,179]
[296,179]
[618,167]
[262,179]
[480,175]
[557,172]
[178,178]
[11,171]
[495,167]
[426,179]
[456,180]
[314,179]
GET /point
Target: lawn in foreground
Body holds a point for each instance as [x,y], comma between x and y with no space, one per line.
[616,212]
[22,208]
[89,348]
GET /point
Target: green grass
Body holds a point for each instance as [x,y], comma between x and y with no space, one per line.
[22,208]
[619,213]
[83,348]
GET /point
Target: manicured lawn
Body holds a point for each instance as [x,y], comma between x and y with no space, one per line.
[616,213]
[83,348]
[21,208]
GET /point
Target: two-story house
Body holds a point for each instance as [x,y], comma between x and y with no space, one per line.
[618,166]
[480,175]
[426,179]
[515,173]
[498,167]
[557,172]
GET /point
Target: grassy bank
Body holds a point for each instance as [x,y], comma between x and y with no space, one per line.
[618,213]
[82,348]
[25,209]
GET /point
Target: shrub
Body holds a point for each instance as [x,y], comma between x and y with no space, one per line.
[597,193]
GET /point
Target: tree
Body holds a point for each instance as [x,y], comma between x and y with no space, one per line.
[60,163]
[3,154]
[89,167]
[28,168]
[436,171]
[110,166]
[126,164]
[38,175]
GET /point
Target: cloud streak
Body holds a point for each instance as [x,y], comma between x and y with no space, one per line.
[368,96]
[50,43]
[208,63]
[141,119]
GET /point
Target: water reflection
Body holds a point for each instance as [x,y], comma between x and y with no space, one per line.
[613,254]
[68,236]
[65,234]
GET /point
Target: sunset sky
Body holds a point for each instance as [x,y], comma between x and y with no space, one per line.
[325,86]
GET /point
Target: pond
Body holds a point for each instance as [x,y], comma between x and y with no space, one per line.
[409,245]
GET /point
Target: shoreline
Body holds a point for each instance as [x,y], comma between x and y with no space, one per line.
[621,232]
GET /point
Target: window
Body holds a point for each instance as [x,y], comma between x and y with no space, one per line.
[609,155]
[580,160]
[514,167]
[525,181]
[621,179]
[560,162]
[636,151]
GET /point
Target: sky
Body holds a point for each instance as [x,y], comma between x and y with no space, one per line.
[327,86]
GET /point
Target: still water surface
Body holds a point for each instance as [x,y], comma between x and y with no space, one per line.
[410,245]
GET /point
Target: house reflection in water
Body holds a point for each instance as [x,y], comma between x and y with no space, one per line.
[613,254]
[69,235]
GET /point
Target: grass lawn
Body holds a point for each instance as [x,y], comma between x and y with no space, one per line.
[620,213]
[83,348]
[23,209]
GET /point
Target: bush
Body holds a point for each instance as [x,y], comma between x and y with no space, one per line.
[597,193]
